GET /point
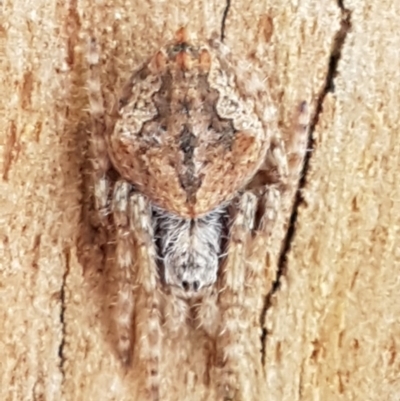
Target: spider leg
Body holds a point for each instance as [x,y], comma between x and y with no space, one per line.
[148,329]
[232,341]
[283,166]
[135,252]
[124,258]
[277,183]
[296,146]
[98,146]
[245,275]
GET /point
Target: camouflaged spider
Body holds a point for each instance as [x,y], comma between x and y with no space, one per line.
[193,140]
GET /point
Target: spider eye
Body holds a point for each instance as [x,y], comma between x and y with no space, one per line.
[190,286]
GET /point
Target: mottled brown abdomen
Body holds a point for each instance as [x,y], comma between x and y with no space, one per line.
[185,137]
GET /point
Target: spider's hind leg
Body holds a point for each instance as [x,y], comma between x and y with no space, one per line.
[277,184]
[100,127]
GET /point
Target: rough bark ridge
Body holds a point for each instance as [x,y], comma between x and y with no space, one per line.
[331,322]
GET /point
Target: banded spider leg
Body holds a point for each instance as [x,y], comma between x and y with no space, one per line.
[135,254]
[244,270]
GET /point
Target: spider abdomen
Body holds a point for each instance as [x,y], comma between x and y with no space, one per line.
[185,137]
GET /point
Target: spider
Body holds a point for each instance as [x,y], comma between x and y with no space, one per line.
[191,173]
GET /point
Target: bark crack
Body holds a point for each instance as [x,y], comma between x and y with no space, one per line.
[224,17]
[62,312]
[328,87]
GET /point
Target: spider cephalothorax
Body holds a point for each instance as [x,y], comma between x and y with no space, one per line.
[190,250]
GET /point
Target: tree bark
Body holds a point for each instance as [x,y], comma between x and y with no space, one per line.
[331,322]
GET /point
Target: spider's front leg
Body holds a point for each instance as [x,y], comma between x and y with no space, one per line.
[244,279]
[233,344]
[138,292]
[147,320]
[123,307]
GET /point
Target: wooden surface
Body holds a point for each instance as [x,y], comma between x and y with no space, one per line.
[332,322]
